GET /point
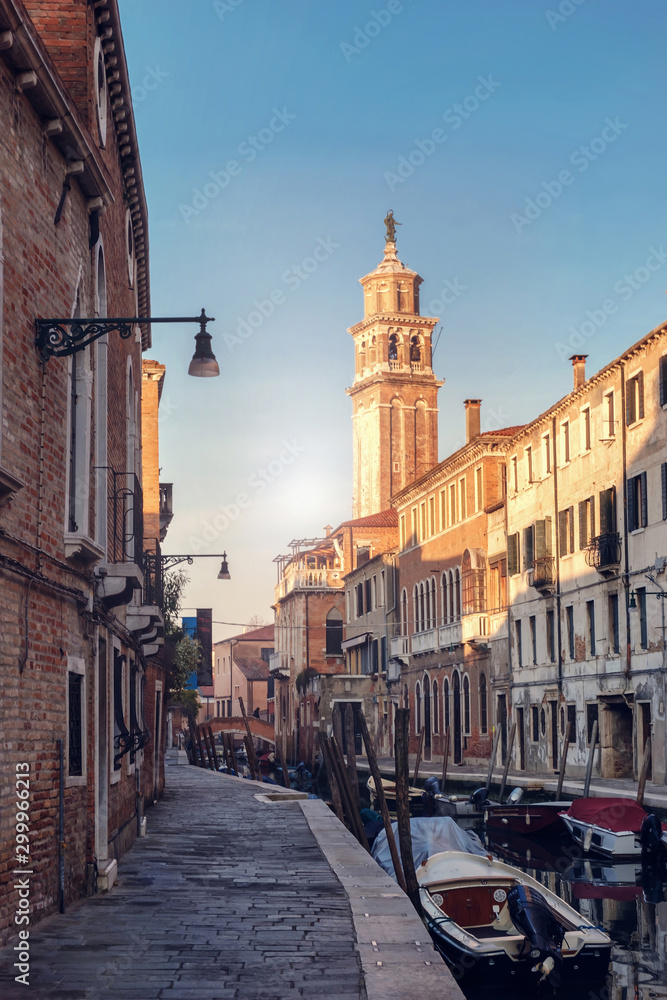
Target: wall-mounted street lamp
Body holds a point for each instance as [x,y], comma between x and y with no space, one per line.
[168,562]
[60,338]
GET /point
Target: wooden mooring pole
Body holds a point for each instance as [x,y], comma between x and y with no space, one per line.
[382,802]
[403,807]
[508,760]
[420,751]
[643,774]
[283,766]
[353,813]
[492,761]
[591,755]
[352,755]
[252,759]
[215,756]
[331,775]
[445,761]
[563,760]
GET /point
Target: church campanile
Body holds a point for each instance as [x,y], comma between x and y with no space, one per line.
[394,393]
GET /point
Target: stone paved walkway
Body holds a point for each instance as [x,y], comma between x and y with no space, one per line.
[232,898]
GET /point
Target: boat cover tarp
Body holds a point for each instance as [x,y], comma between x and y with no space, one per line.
[430,835]
[617,815]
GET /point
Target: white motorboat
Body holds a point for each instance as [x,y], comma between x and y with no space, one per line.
[606,826]
[496,926]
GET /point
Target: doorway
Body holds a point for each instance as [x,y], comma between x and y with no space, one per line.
[553,715]
[644,734]
[456,706]
[616,737]
[102,775]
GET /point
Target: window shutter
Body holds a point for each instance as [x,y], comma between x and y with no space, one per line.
[644,500]
[632,515]
[583,525]
[663,380]
[513,554]
[562,532]
[607,511]
[547,536]
[640,394]
[663,470]
[630,401]
[540,540]
[591,514]
[571,520]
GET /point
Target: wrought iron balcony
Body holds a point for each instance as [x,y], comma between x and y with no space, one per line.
[126,518]
[604,553]
[544,573]
[166,508]
[153,590]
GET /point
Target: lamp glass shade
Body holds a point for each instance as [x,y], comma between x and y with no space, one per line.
[203,364]
[224,569]
[632,603]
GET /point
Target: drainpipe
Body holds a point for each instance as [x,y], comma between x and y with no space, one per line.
[626,554]
[559,628]
[61,825]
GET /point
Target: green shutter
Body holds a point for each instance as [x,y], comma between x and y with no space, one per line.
[562,532]
[591,515]
[571,520]
[583,525]
[540,540]
[644,500]
[632,505]
[640,394]
[663,379]
[630,401]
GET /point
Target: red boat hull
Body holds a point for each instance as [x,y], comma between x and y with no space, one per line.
[525,818]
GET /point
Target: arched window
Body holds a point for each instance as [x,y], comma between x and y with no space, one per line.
[457,594]
[404,612]
[436,708]
[418,708]
[393,347]
[422,619]
[362,355]
[483,719]
[373,352]
[415,350]
[434,605]
[416,614]
[452,601]
[334,632]
[445,702]
[427,618]
[466,704]
[445,600]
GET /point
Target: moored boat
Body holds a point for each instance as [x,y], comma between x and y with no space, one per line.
[389,788]
[497,927]
[607,826]
[525,818]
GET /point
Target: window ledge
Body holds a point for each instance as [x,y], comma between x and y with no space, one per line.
[637,531]
[81,548]
[9,487]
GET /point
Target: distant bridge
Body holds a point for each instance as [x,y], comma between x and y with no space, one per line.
[234,724]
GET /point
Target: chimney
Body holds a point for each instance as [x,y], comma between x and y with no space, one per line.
[472,418]
[579,369]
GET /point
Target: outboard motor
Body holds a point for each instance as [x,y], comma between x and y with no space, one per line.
[478,798]
[431,789]
[650,837]
[531,916]
[515,796]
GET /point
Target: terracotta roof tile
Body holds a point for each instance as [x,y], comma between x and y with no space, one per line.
[252,669]
[383,519]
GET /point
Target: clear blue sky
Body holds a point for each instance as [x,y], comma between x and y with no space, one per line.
[317,105]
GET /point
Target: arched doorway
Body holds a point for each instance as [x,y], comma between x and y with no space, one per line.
[427,718]
[456,712]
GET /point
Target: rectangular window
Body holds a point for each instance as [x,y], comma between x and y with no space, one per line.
[569,617]
[572,720]
[383,592]
[566,441]
[546,451]
[609,418]
[367,593]
[75,724]
[586,429]
[528,546]
[422,522]
[462,500]
[402,538]
[519,648]
[478,488]
[513,554]
[634,398]
[452,503]
[551,637]
[586,522]
[533,638]
[591,719]
[535,723]
[431,510]
[663,380]
[641,611]
[514,468]
[359,590]
[374,592]
[413,526]
[529,463]
[608,511]
[590,618]
[614,637]
[443,510]
[566,531]
[637,502]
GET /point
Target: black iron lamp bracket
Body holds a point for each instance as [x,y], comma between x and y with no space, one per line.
[60,338]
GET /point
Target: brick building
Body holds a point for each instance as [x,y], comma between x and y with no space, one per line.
[241,668]
[79,632]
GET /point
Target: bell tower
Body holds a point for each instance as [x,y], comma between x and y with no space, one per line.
[394,393]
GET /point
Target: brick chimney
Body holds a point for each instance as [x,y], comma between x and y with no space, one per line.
[472,418]
[579,369]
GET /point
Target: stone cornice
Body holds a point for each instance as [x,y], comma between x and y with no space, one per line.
[384,377]
[487,445]
[393,319]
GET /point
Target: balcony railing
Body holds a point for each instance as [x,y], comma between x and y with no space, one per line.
[153,589]
[424,642]
[449,635]
[166,498]
[398,645]
[544,573]
[278,662]
[604,553]
[474,627]
[126,518]
[301,578]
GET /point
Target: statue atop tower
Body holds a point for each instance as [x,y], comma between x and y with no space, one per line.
[395,392]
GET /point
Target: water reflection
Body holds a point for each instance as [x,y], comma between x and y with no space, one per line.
[629,902]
